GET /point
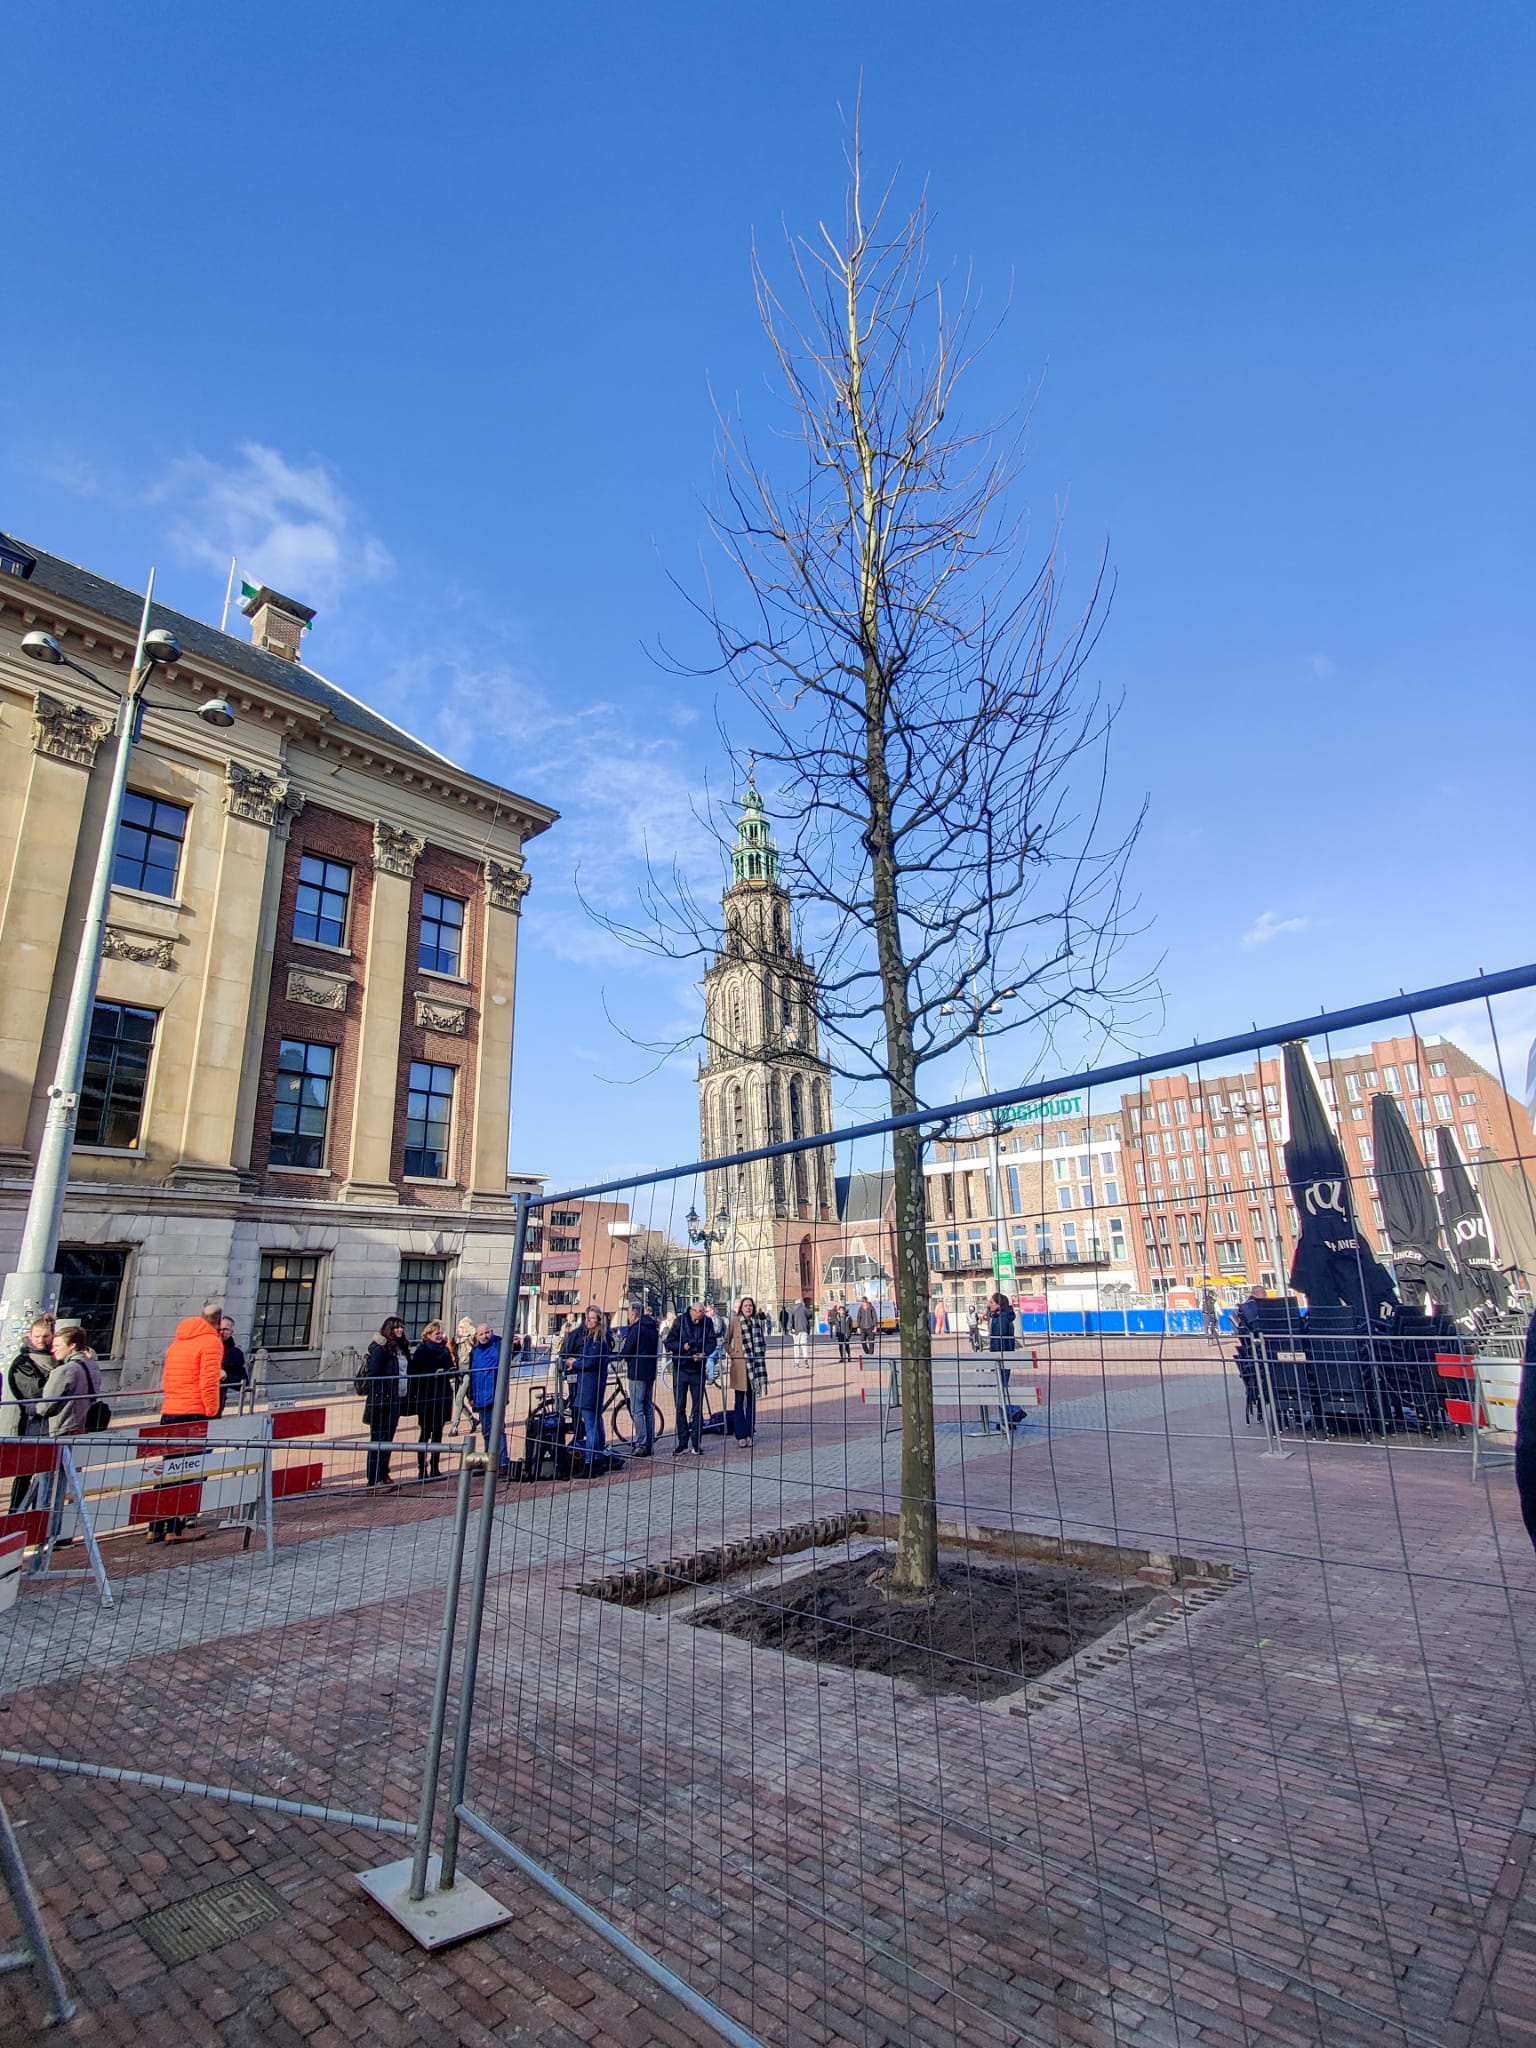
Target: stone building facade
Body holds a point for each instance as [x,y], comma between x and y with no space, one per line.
[298,1088]
[763,1081]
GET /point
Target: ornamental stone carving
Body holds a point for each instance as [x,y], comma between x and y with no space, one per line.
[264,799]
[321,991]
[440,1013]
[118,945]
[396,852]
[66,732]
[507,886]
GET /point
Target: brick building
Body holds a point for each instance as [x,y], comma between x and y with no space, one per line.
[297,1091]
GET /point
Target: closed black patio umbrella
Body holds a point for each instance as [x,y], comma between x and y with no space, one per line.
[1466,1227]
[1333,1265]
[1424,1273]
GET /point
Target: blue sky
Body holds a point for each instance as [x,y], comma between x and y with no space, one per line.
[421,311]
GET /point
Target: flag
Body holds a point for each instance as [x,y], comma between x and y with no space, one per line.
[248,591]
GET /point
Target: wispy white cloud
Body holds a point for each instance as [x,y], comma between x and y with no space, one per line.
[290,524]
[1267,926]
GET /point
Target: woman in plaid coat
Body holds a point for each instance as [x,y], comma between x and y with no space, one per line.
[746,1346]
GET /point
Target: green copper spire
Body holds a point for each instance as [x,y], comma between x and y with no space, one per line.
[754,856]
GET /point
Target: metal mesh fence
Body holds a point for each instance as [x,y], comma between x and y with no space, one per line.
[1217,1725]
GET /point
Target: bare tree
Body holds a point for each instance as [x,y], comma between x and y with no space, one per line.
[933,750]
[659,1271]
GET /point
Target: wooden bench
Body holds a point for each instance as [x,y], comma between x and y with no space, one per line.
[965,1382]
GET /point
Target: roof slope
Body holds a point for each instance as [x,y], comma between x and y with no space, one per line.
[114,601]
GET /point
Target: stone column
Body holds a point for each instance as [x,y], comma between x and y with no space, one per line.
[505,888]
[64,743]
[395,854]
[237,969]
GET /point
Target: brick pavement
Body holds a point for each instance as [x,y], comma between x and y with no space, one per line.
[1295,1814]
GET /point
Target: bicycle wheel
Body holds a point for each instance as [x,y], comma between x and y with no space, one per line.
[620,1420]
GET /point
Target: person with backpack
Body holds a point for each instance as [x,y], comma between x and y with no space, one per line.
[191,1389]
[484,1365]
[21,1388]
[384,1377]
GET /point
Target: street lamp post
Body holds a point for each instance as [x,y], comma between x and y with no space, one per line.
[708,1239]
[33,1288]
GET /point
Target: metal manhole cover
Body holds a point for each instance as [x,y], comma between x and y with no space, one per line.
[194,1926]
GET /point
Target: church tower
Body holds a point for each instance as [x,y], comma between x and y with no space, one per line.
[763,1079]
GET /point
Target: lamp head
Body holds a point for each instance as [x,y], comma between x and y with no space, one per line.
[216,711]
[161,647]
[43,647]
[722,1217]
[693,1220]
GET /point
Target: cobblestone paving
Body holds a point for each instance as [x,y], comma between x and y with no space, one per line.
[1297,1811]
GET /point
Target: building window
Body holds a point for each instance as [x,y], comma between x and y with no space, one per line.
[1437,1070]
[952,1247]
[565,1216]
[301,1104]
[148,854]
[1352,1087]
[1392,1080]
[285,1301]
[441,949]
[320,909]
[1111,1191]
[419,1297]
[1467,1099]
[90,1289]
[1063,1198]
[428,1116]
[933,1250]
[1015,1205]
[1443,1108]
[1473,1136]
[1069,1241]
[1411,1069]
[1365,1150]
[116,1076]
[973,1247]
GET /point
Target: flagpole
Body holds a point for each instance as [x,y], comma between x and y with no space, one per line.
[229,591]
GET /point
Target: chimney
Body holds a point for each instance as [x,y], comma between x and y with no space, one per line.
[276,621]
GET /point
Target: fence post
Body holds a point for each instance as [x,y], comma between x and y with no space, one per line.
[37,1952]
[432,1763]
[482,1560]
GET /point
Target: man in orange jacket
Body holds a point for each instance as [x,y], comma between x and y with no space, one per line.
[189,1389]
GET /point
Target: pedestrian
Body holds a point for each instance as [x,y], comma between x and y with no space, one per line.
[589,1382]
[800,1331]
[867,1322]
[429,1397]
[1525,1434]
[973,1326]
[691,1343]
[1001,1324]
[746,1346]
[484,1365]
[840,1323]
[191,1387]
[463,1347]
[639,1355]
[21,1388]
[74,1384]
[385,1376]
[1209,1315]
[234,1373]
[783,1319]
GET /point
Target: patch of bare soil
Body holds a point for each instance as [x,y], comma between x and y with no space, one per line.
[988,1629]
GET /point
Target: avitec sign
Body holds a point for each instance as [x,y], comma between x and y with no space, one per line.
[1039,1112]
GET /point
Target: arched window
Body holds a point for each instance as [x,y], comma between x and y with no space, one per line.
[736,1038]
[780,943]
[797,1130]
[786,1006]
[738,1122]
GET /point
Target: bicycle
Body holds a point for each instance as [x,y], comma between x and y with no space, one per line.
[619,1417]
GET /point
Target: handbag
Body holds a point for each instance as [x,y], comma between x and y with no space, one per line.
[98,1416]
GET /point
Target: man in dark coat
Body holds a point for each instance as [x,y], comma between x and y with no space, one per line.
[692,1340]
[639,1356]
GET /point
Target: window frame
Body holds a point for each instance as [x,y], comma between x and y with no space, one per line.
[409,1293]
[441,924]
[412,1088]
[101,1142]
[105,1346]
[326,888]
[151,833]
[318,1164]
[308,1283]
